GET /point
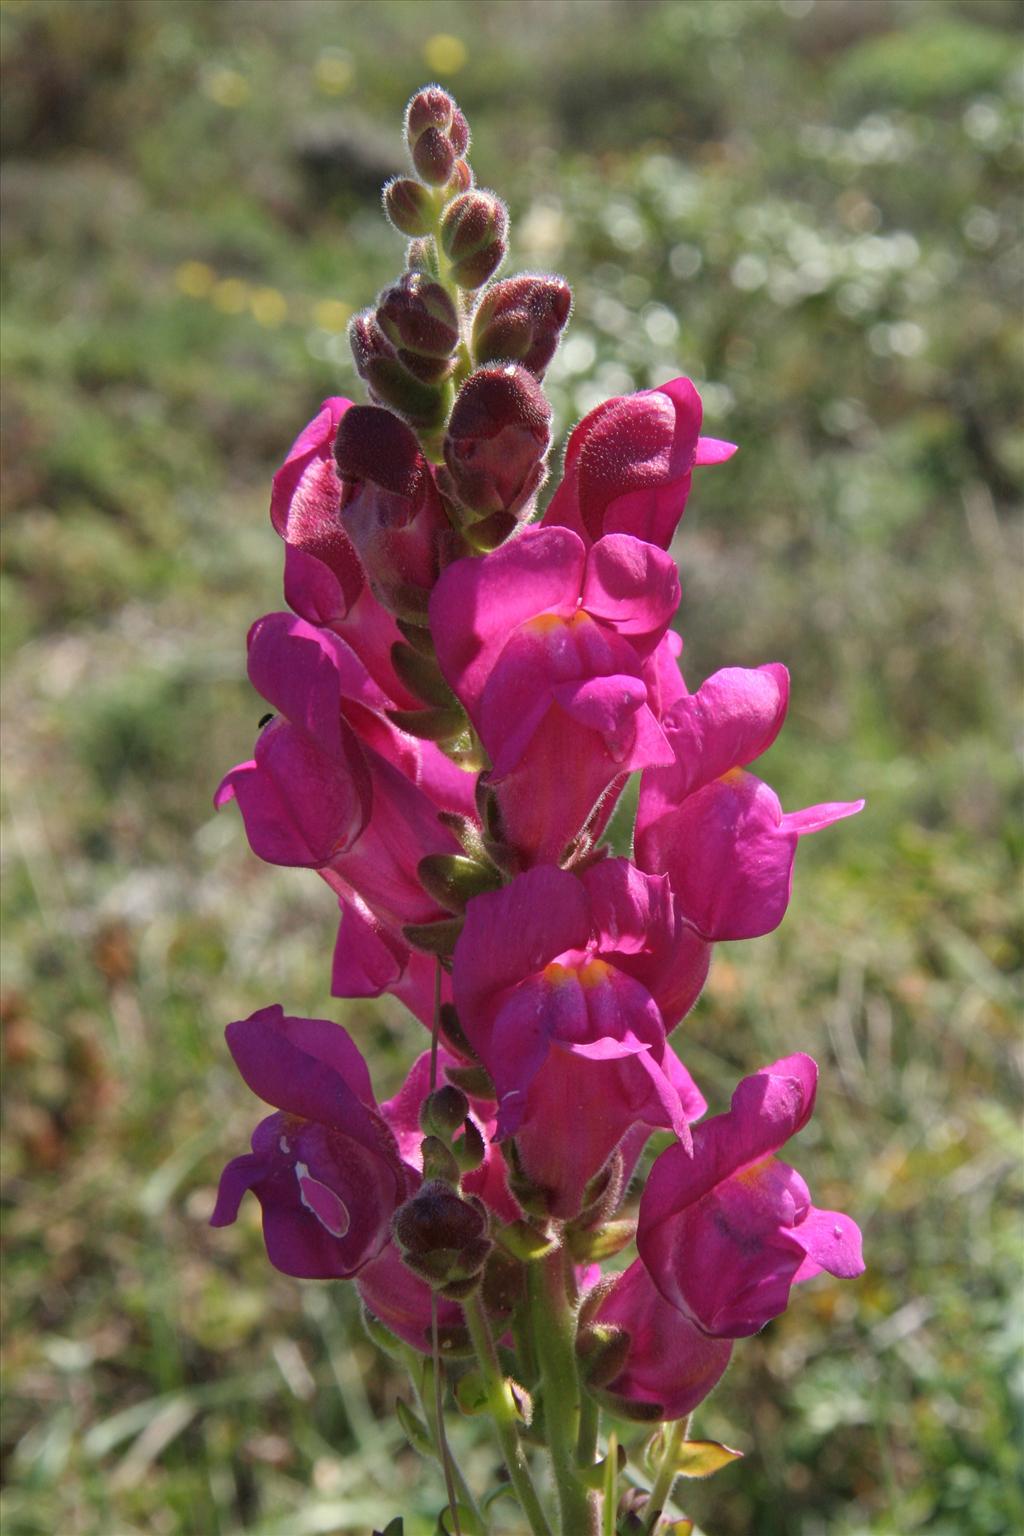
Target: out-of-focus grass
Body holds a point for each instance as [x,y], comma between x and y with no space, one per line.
[813,210]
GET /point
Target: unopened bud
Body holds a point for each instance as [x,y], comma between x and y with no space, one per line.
[410,206]
[443,1236]
[419,319]
[521,320]
[390,508]
[389,381]
[437,134]
[442,1112]
[498,435]
[474,233]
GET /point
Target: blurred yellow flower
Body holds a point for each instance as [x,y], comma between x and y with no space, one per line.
[195,279]
[333,71]
[231,295]
[226,86]
[268,307]
[332,314]
[444,54]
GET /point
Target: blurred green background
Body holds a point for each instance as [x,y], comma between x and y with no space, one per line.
[811,208]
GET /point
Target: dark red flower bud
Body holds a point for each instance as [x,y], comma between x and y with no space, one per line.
[390,507]
[409,205]
[474,233]
[443,1236]
[521,320]
[437,134]
[498,435]
[419,319]
[390,382]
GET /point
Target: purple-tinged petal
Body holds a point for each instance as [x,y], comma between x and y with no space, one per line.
[816,817]
[670,1362]
[632,586]
[478,604]
[714,450]
[331,1087]
[238,1177]
[832,1242]
[368,959]
[402,1301]
[512,934]
[731,719]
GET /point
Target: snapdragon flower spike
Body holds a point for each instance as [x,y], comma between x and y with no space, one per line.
[332,783]
[574,1042]
[544,643]
[726,1232]
[629,465]
[391,509]
[670,1365]
[718,832]
[324,581]
[325,1168]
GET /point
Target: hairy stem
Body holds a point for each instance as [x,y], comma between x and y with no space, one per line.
[554,1332]
[662,1489]
[502,1411]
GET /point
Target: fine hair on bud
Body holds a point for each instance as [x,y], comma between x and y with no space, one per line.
[437,134]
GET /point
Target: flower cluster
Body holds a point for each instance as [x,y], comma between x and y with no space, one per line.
[459,695]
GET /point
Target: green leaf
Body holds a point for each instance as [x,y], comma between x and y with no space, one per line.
[414,1429]
[702,1458]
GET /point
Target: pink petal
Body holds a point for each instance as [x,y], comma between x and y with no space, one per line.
[633,586]
[713,450]
[478,604]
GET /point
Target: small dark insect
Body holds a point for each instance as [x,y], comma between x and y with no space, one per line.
[265,719]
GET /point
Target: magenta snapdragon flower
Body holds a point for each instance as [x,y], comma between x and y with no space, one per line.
[726,1229]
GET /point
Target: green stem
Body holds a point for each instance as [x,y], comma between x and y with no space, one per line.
[420,1369]
[502,1411]
[662,1489]
[554,1332]
[590,1425]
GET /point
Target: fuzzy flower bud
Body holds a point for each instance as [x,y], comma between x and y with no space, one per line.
[474,233]
[418,318]
[409,205]
[521,319]
[389,381]
[497,438]
[443,1237]
[437,134]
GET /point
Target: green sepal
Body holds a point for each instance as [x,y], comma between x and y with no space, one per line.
[395,1527]
[467,834]
[469,1149]
[453,1032]
[602,1242]
[490,532]
[475,1082]
[440,725]
[434,938]
[454,880]
[414,1429]
[438,1161]
[422,675]
[596,1476]
[418,636]
[524,1242]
